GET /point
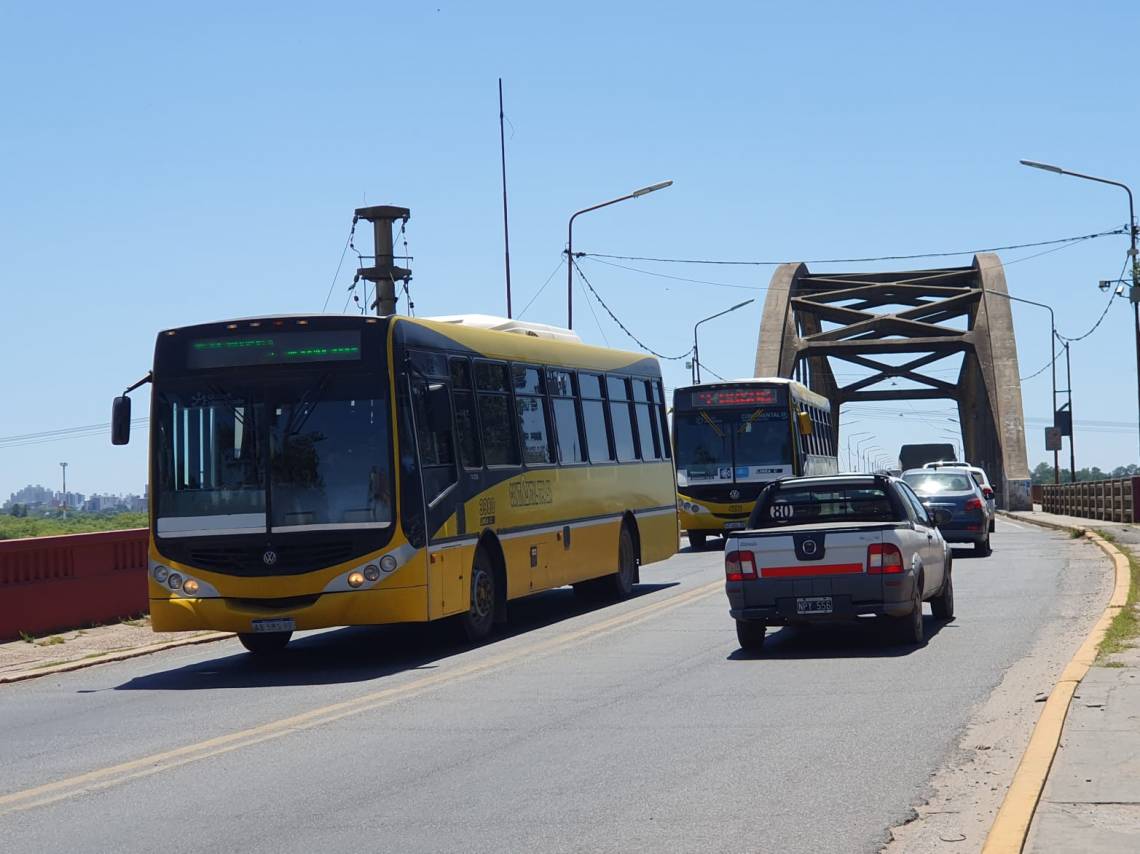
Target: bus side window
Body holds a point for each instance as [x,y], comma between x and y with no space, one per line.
[662,419]
[530,409]
[598,444]
[500,438]
[646,426]
[617,389]
[437,451]
[466,420]
[567,419]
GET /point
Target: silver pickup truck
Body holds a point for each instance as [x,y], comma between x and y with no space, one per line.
[837,547]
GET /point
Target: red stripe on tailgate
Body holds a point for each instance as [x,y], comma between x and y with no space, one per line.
[820,569]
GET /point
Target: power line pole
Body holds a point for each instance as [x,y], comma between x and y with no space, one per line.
[63,466]
[384,273]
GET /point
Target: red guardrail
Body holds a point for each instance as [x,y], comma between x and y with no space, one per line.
[53,583]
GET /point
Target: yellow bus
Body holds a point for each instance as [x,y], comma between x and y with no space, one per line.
[732,438]
[322,471]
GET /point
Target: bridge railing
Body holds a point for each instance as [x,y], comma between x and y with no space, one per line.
[53,583]
[1109,500]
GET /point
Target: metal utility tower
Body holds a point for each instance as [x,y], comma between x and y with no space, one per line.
[384,273]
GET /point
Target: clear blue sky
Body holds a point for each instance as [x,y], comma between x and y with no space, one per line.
[163,166]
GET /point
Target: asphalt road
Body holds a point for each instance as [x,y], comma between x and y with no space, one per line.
[636,726]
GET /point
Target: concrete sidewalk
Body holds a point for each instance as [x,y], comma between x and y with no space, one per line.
[70,650]
[1091,801]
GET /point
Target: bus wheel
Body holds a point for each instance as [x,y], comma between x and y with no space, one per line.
[620,584]
[697,541]
[480,617]
[268,643]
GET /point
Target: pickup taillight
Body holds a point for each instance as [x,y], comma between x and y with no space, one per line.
[739,566]
[884,559]
[973,504]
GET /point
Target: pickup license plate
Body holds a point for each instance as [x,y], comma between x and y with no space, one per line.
[813,605]
[734,526]
[284,625]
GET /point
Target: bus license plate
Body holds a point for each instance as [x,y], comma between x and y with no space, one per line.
[813,605]
[734,526]
[285,625]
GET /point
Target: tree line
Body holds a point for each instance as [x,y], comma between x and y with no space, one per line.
[1044,473]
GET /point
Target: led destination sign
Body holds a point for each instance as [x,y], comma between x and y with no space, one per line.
[273,348]
[710,398]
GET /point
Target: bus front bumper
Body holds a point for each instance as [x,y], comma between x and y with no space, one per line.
[353,608]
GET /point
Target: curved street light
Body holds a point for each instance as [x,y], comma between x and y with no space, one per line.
[1134,294]
[696,352]
[850,458]
[644,191]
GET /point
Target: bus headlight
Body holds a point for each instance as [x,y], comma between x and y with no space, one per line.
[189,586]
[174,581]
[355,578]
[372,572]
[160,573]
[388,563]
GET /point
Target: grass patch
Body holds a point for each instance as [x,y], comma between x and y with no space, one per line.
[27,638]
[54,640]
[1124,628]
[1076,533]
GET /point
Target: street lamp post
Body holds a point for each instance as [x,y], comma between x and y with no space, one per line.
[1134,294]
[1053,337]
[850,458]
[570,241]
[859,449]
[696,351]
[63,466]
[867,455]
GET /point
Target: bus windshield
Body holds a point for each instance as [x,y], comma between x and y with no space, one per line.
[306,454]
[731,444]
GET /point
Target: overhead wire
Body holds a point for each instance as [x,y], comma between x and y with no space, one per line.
[339,264]
[538,293]
[1060,240]
[621,325]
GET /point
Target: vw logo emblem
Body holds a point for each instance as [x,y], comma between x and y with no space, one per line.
[734,494]
[809,547]
[269,558]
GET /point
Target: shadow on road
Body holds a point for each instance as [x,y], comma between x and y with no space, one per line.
[862,638]
[361,653]
[970,553]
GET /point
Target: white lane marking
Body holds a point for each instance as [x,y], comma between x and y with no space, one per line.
[1006,521]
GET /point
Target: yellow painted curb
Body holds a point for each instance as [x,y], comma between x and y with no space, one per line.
[119,655]
[1011,825]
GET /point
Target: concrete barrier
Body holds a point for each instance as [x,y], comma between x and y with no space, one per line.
[53,583]
[1110,500]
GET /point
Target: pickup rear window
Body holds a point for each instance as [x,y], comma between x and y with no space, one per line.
[798,505]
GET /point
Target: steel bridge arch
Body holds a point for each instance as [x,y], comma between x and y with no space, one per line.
[810,319]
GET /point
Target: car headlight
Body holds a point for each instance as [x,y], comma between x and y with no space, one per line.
[372,572]
[388,563]
[174,581]
[160,573]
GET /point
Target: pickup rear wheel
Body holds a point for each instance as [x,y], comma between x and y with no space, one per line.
[750,635]
[942,605]
[909,629]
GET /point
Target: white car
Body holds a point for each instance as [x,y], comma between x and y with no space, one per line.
[980,478]
[838,547]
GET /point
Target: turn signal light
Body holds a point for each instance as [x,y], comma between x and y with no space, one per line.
[189,586]
[884,559]
[739,566]
[355,579]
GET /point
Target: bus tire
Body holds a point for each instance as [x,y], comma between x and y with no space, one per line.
[697,541]
[269,643]
[479,620]
[619,585]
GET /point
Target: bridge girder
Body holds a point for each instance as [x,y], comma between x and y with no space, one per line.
[866,324]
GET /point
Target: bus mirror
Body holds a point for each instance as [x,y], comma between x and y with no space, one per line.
[805,423]
[121,420]
[438,408]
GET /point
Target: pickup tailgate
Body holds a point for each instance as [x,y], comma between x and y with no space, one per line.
[805,570]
